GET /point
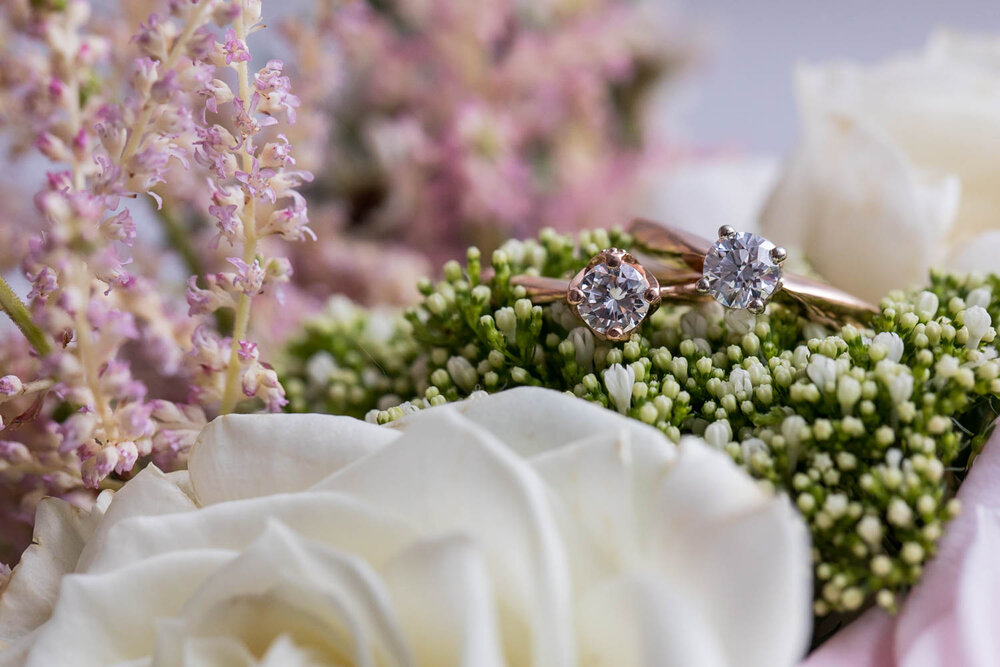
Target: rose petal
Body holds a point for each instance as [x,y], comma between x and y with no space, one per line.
[601,486]
[639,620]
[537,428]
[59,538]
[442,592]
[733,549]
[326,518]
[496,499]
[231,453]
[150,494]
[867,219]
[78,631]
[285,585]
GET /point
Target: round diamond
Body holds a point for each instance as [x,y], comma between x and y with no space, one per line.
[740,269]
[613,297]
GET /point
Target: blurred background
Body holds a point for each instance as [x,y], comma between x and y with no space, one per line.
[741,95]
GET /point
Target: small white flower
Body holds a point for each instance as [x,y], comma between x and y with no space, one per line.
[927,305]
[694,324]
[320,367]
[978,322]
[946,367]
[791,429]
[848,392]
[462,373]
[719,434]
[981,296]
[900,387]
[751,446]
[836,505]
[563,316]
[892,343]
[823,372]
[741,382]
[739,320]
[506,322]
[870,530]
[619,381]
[583,344]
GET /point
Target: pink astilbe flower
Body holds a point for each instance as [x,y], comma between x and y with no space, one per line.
[468,122]
[254,196]
[118,355]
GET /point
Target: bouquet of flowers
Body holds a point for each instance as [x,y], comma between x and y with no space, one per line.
[558,454]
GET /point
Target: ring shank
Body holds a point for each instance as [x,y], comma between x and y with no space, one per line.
[543,290]
[679,253]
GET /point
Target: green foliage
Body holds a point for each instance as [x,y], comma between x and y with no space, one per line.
[869,432]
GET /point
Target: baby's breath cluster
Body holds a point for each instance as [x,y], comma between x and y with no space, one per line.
[869,431]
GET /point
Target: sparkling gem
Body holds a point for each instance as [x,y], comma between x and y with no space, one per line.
[740,269]
[613,297]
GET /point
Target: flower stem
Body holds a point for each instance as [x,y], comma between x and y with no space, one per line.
[230,390]
[19,314]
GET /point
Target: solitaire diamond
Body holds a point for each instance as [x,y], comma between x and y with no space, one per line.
[613,298]
[740,269]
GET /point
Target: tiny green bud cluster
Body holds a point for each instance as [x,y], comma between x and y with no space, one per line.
[869,431]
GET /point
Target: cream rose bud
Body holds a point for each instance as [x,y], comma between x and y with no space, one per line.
[897,169]
[524,528]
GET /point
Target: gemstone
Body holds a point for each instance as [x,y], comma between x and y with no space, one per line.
[739,269]
[613,297]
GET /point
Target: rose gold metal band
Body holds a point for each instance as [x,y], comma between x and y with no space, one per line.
[677,260]
[680,253]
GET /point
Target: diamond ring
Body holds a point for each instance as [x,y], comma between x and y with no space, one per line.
[744,270]
[615,293]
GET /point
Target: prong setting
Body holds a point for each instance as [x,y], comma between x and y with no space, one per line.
[613,294]
[741,270]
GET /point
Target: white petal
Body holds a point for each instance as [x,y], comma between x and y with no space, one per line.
[327,518]
[443,596]
[60,534]
[242,456]
[149,495]
[530,420]
[700,196]
[743,555]
[978,255]
[91,627]
[601,488]
[284,585]
[447,474]
[640,620]
[867,218]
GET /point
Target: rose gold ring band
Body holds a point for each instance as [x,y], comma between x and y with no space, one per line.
[683,253]
[674,269]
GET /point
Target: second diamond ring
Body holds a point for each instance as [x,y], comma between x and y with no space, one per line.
[615,293]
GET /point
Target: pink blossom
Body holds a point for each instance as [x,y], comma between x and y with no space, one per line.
[235,49]
[10,385]
[258,181]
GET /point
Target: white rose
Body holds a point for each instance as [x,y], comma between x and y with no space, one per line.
[525,528]
[897,169]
